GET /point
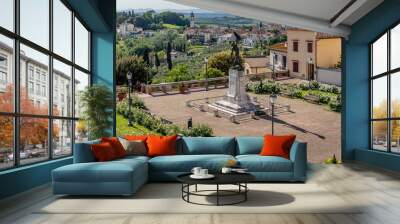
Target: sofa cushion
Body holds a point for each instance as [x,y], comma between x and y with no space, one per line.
[185,163]
[112,171]
[207,145]
[257,163]
[103,152]
[277,145]
[161,145]
[249,145]
[134,147]
[116,145]
[83,152]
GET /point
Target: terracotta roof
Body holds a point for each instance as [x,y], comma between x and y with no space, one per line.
[279,47]
[326,36]
[256,62]
[298,29]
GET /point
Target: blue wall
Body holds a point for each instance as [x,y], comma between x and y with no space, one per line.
[355,116]
[24,178]
[99,15]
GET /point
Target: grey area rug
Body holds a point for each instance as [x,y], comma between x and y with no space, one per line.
[166,198]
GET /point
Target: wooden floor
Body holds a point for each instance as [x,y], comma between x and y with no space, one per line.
[378,189]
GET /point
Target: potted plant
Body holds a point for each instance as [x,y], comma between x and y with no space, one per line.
[97,103]
[182,88]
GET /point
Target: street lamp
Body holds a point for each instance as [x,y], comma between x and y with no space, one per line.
[206,62]
[310,69]
[273,67]
[190,123]
[129,79]
[272,101]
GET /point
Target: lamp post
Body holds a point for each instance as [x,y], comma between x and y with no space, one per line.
[129,78]
[273,67]
[206,63]
[272,101]
[310,70]
[190,123]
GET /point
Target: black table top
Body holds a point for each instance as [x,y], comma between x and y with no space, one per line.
[220,178]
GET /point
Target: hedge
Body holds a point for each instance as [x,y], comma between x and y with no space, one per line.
[156,124]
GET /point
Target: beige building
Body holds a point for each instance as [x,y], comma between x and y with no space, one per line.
[278,56]
[301,52]
[329,51]
[310,54]
[256,65]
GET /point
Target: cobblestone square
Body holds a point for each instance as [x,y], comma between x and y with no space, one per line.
[311,123]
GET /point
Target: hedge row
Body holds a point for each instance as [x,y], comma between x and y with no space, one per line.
[153,123]
[317,92]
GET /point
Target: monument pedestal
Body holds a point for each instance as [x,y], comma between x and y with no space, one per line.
[236,101]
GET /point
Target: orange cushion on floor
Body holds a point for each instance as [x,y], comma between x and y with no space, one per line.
[277,145]
[161,145]
[136,137]
[103,152]
[116,145]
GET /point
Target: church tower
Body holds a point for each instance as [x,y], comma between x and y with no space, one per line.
[192,25]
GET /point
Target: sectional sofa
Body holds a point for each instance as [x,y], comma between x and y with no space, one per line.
[125,176]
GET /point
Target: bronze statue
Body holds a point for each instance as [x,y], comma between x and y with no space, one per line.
[235,53]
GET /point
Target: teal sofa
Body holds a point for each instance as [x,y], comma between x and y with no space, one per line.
[125,176]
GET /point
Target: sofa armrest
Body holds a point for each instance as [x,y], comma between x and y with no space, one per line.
[83,152]
[298,155]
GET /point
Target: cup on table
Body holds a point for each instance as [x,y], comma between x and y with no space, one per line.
[196,171]
[203,172]
[226,170]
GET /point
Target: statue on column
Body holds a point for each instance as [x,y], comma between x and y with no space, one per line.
[235,53]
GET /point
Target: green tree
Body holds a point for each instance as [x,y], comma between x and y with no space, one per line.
[211,73]
[134,64]
[172,18]
[179,73]
[156,60]
[97,104]
[168,52]
[222,61]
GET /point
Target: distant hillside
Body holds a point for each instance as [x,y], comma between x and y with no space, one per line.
[206,17]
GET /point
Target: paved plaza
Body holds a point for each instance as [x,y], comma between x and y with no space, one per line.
[311,123]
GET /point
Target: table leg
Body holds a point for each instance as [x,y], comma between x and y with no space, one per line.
[245,193]
[217,194]
[188,190]
[196,187]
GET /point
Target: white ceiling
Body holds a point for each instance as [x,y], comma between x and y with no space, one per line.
[308,14]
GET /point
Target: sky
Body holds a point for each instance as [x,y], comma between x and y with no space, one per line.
[153,4]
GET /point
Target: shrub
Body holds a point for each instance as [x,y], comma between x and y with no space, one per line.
[335,89]
[314,84]
[323,99]
[297,93]
[264,87]
[329,88]
[157,125]
[179,73]
[211,73]
[304,85]
[199,130]
[335,105]
[122,106]
[223,61]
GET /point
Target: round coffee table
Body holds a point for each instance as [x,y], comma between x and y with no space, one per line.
[238,179]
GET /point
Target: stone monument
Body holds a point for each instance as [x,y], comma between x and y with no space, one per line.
[236,101]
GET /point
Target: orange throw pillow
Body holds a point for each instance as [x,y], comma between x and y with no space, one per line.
[161,145]
[103,152]
[136,137]
[116,145]
[277,145]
